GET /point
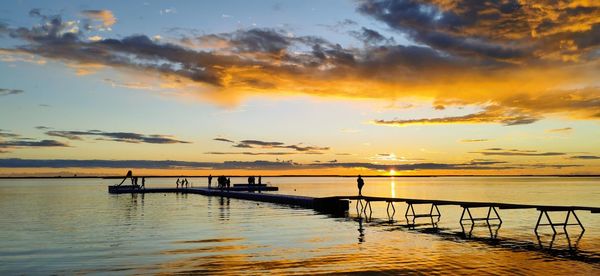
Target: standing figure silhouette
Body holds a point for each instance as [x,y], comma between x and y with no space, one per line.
[360,182]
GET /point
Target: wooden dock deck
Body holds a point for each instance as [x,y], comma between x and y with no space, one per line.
[326,205]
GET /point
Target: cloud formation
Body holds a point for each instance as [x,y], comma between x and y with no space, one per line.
[9,140]
[263,165]
[6,92]
[223,140]
[560,130]
[492,114]
[474,140]
[585,157]
[518,62]
[253,144]
[516,152]
[105,16]
[127,137]
[249,153]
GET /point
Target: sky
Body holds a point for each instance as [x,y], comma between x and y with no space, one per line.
[373,87]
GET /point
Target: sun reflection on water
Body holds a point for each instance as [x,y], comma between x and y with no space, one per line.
[393,187]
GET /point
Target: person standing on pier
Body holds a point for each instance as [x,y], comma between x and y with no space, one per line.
[143,183]
[177,183]
[360,182]
[209,180]
[259,180]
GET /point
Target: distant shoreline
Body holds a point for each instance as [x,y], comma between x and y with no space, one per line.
[265,176]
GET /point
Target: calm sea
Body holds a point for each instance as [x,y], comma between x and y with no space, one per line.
[75,226]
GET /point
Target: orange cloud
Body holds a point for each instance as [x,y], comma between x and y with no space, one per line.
[105,16]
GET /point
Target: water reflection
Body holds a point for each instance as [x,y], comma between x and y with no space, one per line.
[493,229]
[361,231]
[224,210]
[572,244]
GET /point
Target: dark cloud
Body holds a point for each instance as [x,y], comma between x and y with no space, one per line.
[249,153]
[6,92]
[371,37]
[252,144]
[7,134]
[127,137]
[503,30]
[223,140]
[21,143]
[43,127]
[474,140]
[10,140]
[340,25]
[585,157]
[259,143]
[516,152]
[564,129]
[492,114]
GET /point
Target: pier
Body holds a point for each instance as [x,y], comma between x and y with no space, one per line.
[339,205]
[410,215]
[326,204]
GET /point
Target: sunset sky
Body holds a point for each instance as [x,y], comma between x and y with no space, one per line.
[300,87]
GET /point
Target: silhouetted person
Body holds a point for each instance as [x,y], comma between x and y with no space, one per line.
[360,183]
[135,182]
[222,182]
[177,183]
[143,183]
[259,180]
[228,183]
[209,180]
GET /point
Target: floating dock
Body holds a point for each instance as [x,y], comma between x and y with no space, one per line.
[328,205]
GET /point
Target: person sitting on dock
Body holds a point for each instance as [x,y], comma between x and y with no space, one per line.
[360,182]
[209,180]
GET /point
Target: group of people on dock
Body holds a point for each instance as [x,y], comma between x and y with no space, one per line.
[182,183]
[222,182]
[252,180]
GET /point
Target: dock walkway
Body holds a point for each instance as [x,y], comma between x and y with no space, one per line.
[468,205]
[340,204]
[327,205]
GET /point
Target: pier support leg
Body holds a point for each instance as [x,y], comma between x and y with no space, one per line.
[437,214]
[391,217]
[552,224]
[467,209]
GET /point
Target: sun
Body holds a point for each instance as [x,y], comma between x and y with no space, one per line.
[392,172]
